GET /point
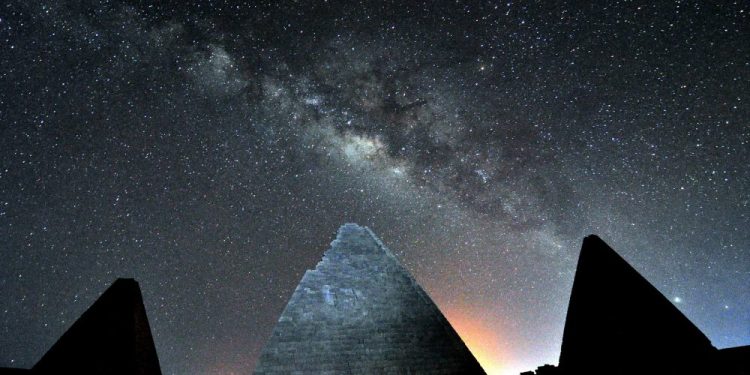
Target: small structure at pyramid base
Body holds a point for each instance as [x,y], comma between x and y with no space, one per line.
[618,323]
[112,337]
[361,312]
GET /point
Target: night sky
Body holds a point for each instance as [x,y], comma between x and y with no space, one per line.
[211,151]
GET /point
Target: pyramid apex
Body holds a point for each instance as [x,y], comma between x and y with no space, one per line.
[592,240]
[122,290]
[592,237]
[367,242]
[350,227]
[347,230]
[595,247]
[126,282]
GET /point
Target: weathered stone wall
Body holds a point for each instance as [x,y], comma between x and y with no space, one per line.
[360,312]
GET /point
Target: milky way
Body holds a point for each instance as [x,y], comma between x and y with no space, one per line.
[212,150]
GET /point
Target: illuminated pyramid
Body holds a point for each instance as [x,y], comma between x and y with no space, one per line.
[361,312]
[618,323]
[112,337]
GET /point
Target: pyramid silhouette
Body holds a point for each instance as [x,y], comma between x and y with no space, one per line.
[111,337]
[361,312]
[618,323]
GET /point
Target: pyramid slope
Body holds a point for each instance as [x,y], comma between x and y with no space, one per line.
[360,311]
[618,321]
[112,337]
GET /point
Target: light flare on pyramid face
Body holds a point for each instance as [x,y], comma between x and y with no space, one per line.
[483,340]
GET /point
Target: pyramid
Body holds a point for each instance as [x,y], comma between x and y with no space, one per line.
[361,312]
[618,323]
[111,337]
[735,360]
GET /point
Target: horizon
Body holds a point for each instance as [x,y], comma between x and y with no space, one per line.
[210,151]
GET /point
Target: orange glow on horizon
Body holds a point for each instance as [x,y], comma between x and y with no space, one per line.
[483,339]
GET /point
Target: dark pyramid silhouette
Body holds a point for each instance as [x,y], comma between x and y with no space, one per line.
[618,323]
[14,371]
[361,312]
[111,337]
[735,360]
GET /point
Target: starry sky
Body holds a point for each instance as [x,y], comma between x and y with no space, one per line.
[212,149]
